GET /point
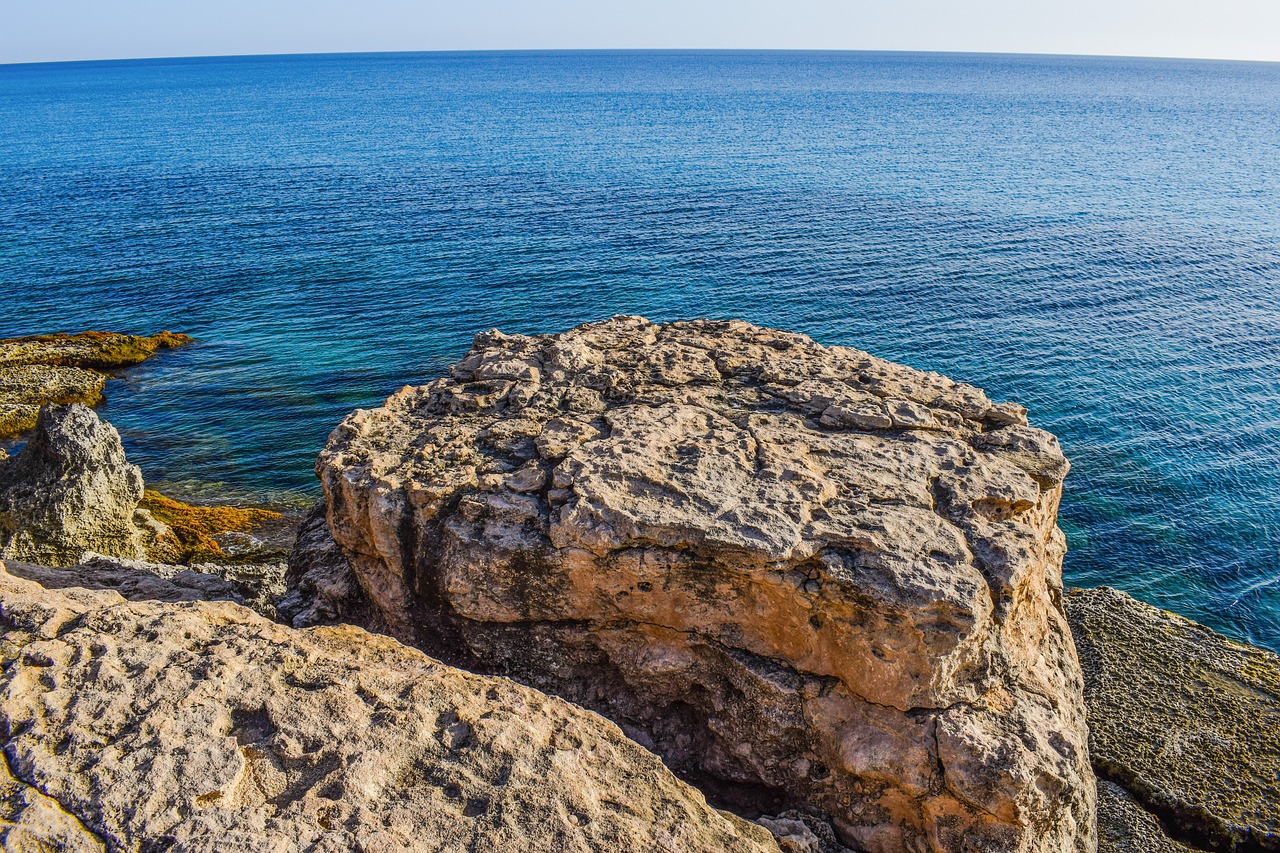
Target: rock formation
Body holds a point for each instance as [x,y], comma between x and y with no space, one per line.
[64,369]
[71,495]
[141,726]
[1183,723]
[135,580]
[806,577]
[71,490]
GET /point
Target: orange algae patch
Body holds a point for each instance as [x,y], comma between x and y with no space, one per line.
[195,526]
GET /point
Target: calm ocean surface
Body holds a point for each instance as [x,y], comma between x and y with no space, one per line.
[1098,239]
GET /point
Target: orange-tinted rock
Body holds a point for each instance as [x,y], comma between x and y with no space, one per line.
[804,576]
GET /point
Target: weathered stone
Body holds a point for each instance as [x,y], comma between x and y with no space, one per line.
[805,576]
[1125,827]
[30,822]
[92,350]
[133,579]
[1183,719]
[203,726]
[25,388]
[70,490]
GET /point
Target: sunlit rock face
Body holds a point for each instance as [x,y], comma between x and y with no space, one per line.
[804,576]
[144,725]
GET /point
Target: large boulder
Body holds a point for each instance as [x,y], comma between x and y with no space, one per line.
[71,490]
[142,726]
[806,577]
[1183,720]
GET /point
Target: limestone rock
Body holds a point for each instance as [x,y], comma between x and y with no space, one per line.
[30,822]
[321,587]
[91,350]
[25,388]
[807,577]
[135,580]
[204,727]
[70,490]
[1183,719]
[1125,827]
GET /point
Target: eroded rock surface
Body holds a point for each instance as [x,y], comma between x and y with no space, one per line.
[1183,719]
[142,726]
[71,490]
[805,576]
[1124,826]
[71,496]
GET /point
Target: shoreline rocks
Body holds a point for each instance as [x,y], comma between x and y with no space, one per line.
[1184,721]
[806,577]
[71,496]
[62,369]
[71,490]
[143,726]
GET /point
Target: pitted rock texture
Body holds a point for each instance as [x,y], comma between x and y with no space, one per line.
[71,490]
[1184,719]
[806,577]
[1124,826]
[141,726]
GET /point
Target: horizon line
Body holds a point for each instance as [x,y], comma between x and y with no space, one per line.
[725,50]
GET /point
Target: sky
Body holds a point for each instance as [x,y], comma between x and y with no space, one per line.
[57,30]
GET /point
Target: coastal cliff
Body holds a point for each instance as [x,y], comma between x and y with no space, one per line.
[806,577]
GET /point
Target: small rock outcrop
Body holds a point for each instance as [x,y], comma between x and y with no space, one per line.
[71,496]
[71,490]
[808,578]
[142,726]
[63,369]
[1182,720]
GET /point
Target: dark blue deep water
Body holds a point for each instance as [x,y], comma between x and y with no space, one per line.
[1098,239]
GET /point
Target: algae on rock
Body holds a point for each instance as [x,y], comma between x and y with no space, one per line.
[63,369]
[1183,719]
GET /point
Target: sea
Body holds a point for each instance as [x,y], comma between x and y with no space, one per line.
[1095,238]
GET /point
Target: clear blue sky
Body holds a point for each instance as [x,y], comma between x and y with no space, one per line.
[39,30]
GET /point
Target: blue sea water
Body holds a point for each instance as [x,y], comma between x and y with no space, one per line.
[1096,238]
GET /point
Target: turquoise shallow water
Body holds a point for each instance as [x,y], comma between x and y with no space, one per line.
[1098,239]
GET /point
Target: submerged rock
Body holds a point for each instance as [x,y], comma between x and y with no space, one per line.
[142,726]
[70,490]
[806,577]
[1183,720]
[63,369]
